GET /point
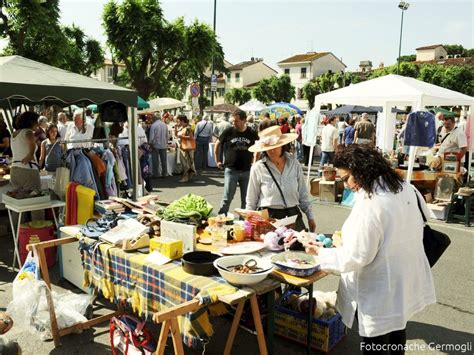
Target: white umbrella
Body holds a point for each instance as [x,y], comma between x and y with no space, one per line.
[253,105]
[164,103]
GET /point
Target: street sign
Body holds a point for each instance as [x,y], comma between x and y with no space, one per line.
[195,91]
[194,102]
[214,82]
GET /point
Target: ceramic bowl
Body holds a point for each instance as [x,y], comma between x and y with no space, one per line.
[283,262]
[236,278]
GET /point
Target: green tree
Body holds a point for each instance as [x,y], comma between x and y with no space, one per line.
[33,31]
[310,90]
[282,88]
[453,49]
[263,91]
[160,57]
[408,58]
[81,54]
[274,89]
[238,96]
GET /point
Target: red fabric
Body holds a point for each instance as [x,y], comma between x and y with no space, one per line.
[284,128]
[71,206]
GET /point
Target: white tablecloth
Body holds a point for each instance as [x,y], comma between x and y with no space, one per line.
[171,162]
[211,159]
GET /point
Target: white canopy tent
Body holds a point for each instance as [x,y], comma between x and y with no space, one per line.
[386,91]
[253,106]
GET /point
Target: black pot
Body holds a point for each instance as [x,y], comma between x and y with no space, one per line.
[199,263]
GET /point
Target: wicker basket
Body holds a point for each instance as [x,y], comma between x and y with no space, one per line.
[293,326]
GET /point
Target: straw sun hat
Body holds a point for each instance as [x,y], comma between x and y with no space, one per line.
[271,138]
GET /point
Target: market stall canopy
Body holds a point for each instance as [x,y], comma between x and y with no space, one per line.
[387,91]
[396,89]
[349,109]
[141,104]
[253,106]
[282,108]
[164,103]
[24,81]
[222,108]
[394,109]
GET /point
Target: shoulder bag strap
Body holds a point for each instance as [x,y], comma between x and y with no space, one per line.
[278,185]
[419,207]
[202,129]
[447,135]
[50,150]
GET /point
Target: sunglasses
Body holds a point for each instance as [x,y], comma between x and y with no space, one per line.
[345,178]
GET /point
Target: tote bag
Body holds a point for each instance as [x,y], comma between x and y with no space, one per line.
[434,242]
[188,143]
[62,179]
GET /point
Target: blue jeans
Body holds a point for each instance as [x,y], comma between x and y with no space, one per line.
[299,150]
[326,157]
[200,155]
[159,156]
[233,177]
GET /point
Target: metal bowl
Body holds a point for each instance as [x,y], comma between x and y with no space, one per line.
[199,263]
[283,263]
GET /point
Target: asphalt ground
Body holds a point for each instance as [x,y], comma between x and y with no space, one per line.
[441,328]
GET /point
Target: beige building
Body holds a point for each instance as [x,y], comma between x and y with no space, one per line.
[106,73]
[434,52]
[247,74]
[301,68]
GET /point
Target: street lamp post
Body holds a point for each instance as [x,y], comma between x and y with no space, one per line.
[213,54]
[402,6]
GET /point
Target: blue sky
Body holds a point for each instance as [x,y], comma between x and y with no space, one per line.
[352,30]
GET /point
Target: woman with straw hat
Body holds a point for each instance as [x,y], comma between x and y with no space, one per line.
[276,181]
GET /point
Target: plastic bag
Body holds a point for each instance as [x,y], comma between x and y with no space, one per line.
[29,305]
[62,179]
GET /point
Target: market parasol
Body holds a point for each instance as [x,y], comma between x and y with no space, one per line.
[282,109]
[253,106]
[221,108]
[164,103]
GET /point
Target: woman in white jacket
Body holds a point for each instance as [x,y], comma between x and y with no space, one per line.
[385,275]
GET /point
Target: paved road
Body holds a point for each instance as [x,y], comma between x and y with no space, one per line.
[449,321]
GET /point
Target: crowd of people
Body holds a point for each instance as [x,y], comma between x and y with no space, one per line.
[265,161]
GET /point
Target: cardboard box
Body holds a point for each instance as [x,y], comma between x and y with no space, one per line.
[171,248]
[439,211]
[328,191]
[40,200]
[314,187]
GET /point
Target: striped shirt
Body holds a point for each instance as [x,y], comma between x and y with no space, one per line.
[263,192]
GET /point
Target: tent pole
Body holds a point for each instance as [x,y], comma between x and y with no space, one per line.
[132,133]
[9,113]
[310,163]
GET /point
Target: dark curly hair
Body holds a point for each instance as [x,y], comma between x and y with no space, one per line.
[183,118]
[367,165]
[26,120]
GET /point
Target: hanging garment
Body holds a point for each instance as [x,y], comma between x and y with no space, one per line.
[71,204]
[420,129]
[110,185]
[98,167]
[128,167]
[145,168]
[81,169]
